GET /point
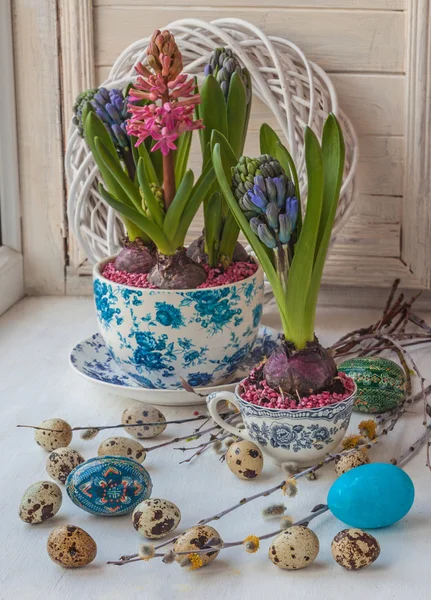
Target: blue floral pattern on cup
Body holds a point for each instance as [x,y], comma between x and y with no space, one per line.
[93,359]
[302,436]
[160,336]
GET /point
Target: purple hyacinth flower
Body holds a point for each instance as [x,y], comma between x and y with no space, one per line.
[247,205]
[266,236]
[292,209]
[285,229]
[271,190]
[280,184]
[254,224]
[120,135]
[271,212]
[260,181]
[258,198]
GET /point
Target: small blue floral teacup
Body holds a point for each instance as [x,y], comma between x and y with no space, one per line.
[301,436]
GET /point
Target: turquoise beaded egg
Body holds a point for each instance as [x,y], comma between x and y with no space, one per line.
[371,496]
[380,383]
[109,485]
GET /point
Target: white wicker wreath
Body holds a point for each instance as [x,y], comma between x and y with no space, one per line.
[297,91]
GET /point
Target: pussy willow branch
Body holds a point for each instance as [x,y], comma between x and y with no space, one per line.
[386,425]
[122,425]
[424,395]
[193,436]
[316,512]
[412,449]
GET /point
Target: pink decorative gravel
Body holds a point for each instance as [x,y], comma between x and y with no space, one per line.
[215,275]
[262,394]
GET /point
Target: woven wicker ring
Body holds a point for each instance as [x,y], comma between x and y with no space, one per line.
[296,90]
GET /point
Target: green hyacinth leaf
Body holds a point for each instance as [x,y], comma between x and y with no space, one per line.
[212,110]
[333,152]
[299,278]
[151,172]
[213,225]
[248,111]
[199,193]
[93,126]
[176,209]
[264,254]
[181,156]
[119,175]
[152,230]
[156,213]
[236,107]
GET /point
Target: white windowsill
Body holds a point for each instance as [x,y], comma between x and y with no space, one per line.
[37,383]
[11,278]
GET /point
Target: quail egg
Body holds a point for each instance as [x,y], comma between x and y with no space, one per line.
[244,459]
[354,549]
[143,413]
[40,502]
[61,462]
[70,546]
[295,548]
[154,518]
[194,538]
[122,446]
[346,462]
[60,435]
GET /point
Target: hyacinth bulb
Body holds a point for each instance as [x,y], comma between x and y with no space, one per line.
[308,371]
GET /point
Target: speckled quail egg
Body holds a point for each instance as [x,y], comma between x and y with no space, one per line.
[143,413]
[154,518]
[196,537]
[244,459]
[70,546]
[295,548]
[40,502]
[354,549]
[346,462]
[61,462]
[59,437]
[122,446]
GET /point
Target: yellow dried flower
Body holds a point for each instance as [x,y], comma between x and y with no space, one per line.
[351,441]
[251,544]
[196,561]
[290,487]
[368,429]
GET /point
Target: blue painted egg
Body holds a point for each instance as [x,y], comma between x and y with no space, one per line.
[108,485]
[371,496]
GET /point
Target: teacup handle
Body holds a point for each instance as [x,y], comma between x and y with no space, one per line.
[212,401]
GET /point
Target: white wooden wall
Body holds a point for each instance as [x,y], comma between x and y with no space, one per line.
[362,44]
[377,53]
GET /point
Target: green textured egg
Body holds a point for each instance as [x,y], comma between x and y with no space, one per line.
[380,382]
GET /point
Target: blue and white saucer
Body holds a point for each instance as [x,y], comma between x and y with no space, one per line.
[92,360]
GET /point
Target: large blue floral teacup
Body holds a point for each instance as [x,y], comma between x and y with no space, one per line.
[159,336]
[301,436]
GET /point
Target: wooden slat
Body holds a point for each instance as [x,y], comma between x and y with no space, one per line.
[337,40]
[363,237]
[323,4]
[39,144]
[374,103]
[381,165]
[372,271]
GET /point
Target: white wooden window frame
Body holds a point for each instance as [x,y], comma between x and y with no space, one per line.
[11,261]
[413,266]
